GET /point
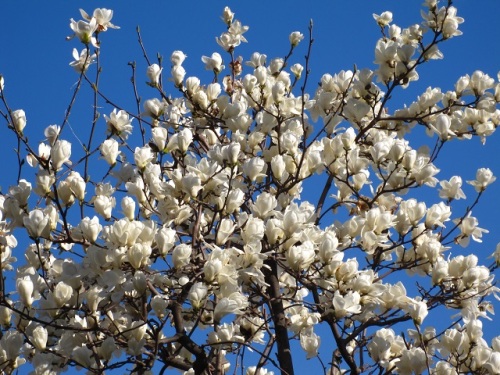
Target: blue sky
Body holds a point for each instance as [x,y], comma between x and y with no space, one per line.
[34,58]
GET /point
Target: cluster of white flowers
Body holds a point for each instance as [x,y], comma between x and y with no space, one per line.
[214,251]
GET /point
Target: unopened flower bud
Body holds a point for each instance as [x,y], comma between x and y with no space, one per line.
[25,289]
[19,120]
[153,72]
[128,207]
[39,338]
[60,153]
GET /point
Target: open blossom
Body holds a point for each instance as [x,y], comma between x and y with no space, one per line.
[229,305]
[85,31]
[119,123]
[309,341]
[418,310]
[346,305]
[496,254]
[215,248]
[437,214]
[177,58]
[180,141]
[412,361]
[213,63]
[82,61]
[451,23]
[37,224]
[295,38]
[153,108]
[197,294]
[77,185]
[52,133]
[484,178]
[297,70]
[233,37]
[165,239]
[383,19]
[104,202]
[469,229]
[90,228]
[301,257]
[181,255]
[452,189]
[142,156]
[62,293]
[480,82]
[103,18]
[442,126]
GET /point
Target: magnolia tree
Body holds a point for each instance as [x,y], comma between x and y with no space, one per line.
[175,236]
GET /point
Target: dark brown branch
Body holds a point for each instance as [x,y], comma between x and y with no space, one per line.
[279,319]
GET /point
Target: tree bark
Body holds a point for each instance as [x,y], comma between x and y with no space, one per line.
[279,319]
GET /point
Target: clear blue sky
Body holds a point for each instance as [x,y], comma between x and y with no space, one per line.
[34,58]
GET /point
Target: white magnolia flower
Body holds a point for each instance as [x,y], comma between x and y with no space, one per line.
[159,306]
[229,305]
[295,38]
[227,16]
[297,70]
[19,120]
[85,31]
[119,123]
[25,289]
[383,19]
[37,224]
[40,337]
[128,207]
[412,361]
[301,257]
[181,255]
[178,74]
[153,72]
[452,189]
[437,214]
[484,178]
[197,294]
[469,229]
[82,61]
[418,310]
[90,228]
[213,63]
[109,151]
[62,293]
[177,58]
[346,305]
[60,154]
[103,18]
[165,239]
[143,156]
[104,205]
[310,342]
